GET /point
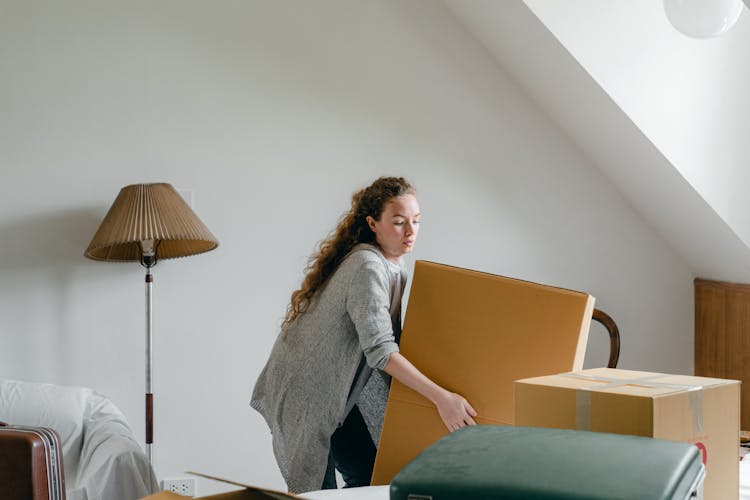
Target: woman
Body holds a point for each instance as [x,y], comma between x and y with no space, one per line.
[323,390]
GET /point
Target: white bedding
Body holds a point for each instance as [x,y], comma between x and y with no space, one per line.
[103,461]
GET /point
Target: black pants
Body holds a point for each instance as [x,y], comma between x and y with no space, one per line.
[352,453]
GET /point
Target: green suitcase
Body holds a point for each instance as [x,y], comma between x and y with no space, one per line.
[531,463]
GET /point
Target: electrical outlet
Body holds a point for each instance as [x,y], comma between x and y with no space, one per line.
[180,485]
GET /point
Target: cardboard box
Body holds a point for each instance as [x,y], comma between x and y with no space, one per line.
[475,333]
[246,493]
[699,410]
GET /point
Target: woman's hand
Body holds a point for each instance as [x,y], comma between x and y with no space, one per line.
[455,411]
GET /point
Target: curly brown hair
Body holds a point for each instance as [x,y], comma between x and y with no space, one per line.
[351,230]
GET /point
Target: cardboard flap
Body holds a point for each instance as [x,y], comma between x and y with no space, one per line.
[626,382]
[165,495]
[247,492]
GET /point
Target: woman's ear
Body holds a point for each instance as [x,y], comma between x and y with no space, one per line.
[370,222]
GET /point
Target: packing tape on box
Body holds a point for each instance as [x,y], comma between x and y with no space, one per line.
[583,396]
[583,410]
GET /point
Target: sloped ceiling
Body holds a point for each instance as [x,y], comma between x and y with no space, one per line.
[633,161]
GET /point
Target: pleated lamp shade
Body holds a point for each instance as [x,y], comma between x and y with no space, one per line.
[155,212]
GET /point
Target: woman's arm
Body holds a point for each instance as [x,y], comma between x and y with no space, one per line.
[455,411]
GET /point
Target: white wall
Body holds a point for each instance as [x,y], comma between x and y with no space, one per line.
[274,113]
[687,95]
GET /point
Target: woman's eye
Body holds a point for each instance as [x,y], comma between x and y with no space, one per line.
[399,223]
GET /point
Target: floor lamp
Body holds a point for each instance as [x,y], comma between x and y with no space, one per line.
[147,223]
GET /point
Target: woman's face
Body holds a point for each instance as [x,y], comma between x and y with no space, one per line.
[397,229]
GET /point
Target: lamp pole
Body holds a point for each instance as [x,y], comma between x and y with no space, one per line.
[148,260]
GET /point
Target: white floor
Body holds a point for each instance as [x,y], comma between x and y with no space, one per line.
[366,493]
[744,474]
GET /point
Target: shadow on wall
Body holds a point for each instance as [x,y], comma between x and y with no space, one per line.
[40,256]
[55,239]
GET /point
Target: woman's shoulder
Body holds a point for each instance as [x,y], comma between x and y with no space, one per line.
[367,256]
[365,252]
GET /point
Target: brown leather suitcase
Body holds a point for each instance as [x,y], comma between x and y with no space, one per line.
[31,463]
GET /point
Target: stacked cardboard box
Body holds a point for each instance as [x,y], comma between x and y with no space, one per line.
[703,411]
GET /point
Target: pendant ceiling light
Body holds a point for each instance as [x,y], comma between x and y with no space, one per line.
[703,18]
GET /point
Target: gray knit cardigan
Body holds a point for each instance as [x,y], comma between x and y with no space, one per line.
[314,376]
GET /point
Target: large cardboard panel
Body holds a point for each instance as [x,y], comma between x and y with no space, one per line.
[699,410]
[475,333]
